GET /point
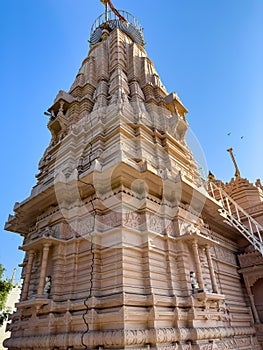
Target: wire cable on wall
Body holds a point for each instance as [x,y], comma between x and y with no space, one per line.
[85,314]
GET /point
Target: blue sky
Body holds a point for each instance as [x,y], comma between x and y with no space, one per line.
[210,52]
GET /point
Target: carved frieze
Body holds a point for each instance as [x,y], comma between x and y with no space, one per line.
[86,225]
[112,219]
[155,223]
[225,255]
[134,219]
[171,228]
[187,346]
[121,338]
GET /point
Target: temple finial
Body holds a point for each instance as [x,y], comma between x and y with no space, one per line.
[237,173]
[211,176]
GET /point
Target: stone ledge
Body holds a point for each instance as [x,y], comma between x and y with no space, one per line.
[38,302]
[209,296]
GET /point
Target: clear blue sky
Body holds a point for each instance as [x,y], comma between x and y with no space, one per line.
[210,52]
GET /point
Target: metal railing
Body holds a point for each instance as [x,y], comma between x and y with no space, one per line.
[110,16]
[235,215]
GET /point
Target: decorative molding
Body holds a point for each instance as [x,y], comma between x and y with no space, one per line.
[121,338]
[250,259]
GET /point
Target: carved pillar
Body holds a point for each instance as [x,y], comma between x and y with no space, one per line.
[43,270]
[252,303]
[211,269]
[198,265]
[28,274]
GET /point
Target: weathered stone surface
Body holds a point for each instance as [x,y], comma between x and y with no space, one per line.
[119,218]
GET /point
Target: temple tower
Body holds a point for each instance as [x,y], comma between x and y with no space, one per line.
[125,247]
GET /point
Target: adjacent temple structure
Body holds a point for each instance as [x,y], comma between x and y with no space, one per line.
[126,246]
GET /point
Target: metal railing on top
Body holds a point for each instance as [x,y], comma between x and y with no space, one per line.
[110,16]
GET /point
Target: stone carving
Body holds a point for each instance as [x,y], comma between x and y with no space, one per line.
[169,347]
[225,255]
[211,346]
[86,225]
[50,231]
[135,337]
[71,230]
[192,229]
[47,287]
[194,283]
[132,219]
[224,311]
[170,228]
[111,219]
[154,223]
[139,337]
[187,346]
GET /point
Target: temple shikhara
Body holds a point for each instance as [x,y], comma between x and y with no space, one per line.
[126,245]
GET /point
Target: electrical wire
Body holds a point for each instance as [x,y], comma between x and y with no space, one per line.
[84,315]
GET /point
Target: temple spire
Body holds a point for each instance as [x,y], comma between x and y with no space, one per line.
[237,173]
[13,277]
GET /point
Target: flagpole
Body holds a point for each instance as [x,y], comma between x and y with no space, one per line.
[106,12]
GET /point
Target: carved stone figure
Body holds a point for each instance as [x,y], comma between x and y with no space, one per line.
[194,283]
[47,287]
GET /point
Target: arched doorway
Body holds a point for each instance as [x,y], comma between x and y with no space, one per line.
[257,291]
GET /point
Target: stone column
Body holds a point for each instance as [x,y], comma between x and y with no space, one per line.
[199,275]
[211,269]
[28,275]
[252,302]
[254,309]
[43,270]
